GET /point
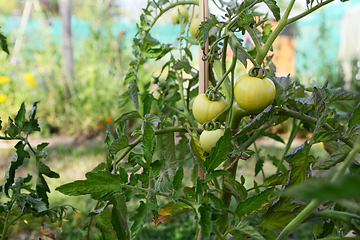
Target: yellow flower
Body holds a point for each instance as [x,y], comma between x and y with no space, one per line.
[29,79]
[4,79]
[3,98]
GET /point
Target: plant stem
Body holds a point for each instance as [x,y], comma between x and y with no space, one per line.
[301,15]
[282,23]
[167,9]
[294,130]
[315,202]
[186,111]
[308,119]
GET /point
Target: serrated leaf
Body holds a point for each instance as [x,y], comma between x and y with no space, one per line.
[259,166]
[196,150]
[346,187]
[20,117]
[298,160]
[12,130]
[218,153]
[258,121]
[274,136]
[177,182]
[138,219]
[29,204]
[343,95]
[276,179]
[205,224]
[127,116]
[253,203]
[42,187]
[355,117]
[245,227]
[3,42]
[236,189]
[319,101]
[217,201]
[323,136]
[149,141]
[119,144]
[336,157]
[274,8]
[171,210]
[215,174]
[98,184]
[183,64]
[16,162]
[133,92]
[277,220]
[104,225]
[118,216]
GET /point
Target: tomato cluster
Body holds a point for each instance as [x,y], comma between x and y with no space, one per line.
[252,93]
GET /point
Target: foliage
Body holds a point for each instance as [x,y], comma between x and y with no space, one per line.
[146,168]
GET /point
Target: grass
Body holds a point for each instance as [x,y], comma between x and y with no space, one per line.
[73,162]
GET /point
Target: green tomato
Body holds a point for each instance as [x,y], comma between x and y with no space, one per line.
[205,110]
[194,26]
[57,223]
[208,139]
[175,14]
[254,94]
[40,219]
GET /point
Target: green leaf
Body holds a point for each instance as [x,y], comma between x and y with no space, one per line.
[245,227]
[319,100]
[41,185]
[215,174]
[253,203]
[149,141]
[323,136]
[218,153]
[343,95]
[138,219]
[98,184]
[20,117]
[205,224]
[29,204]
[177,182]
[277,220]
[123,175]
[191,40]
[276,179]
[16,162]
[273,8]
[147,100]
[258,121]
[259,165]
[298,160]
[133,92]
[217,202]
[336,157]
[236,189]
[3,43]
[119,144]
[171,210]
[12,130]
[118,216]
[196,150]
[183,64]
[104,225]
[274,136]
[355,117]
[127,116]
[347,187]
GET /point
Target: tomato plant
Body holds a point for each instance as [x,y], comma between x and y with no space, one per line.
[145,169]
[148,167]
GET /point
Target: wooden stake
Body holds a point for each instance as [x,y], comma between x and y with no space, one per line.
[203,65]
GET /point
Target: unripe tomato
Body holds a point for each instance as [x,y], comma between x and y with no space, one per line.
[254,94]
[57,223]
[175,14]
[40,219]
[205,110]
[194,26]
[208,139]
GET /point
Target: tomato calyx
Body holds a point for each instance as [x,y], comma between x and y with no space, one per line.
[212,95]
[210,126]
[257,72]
